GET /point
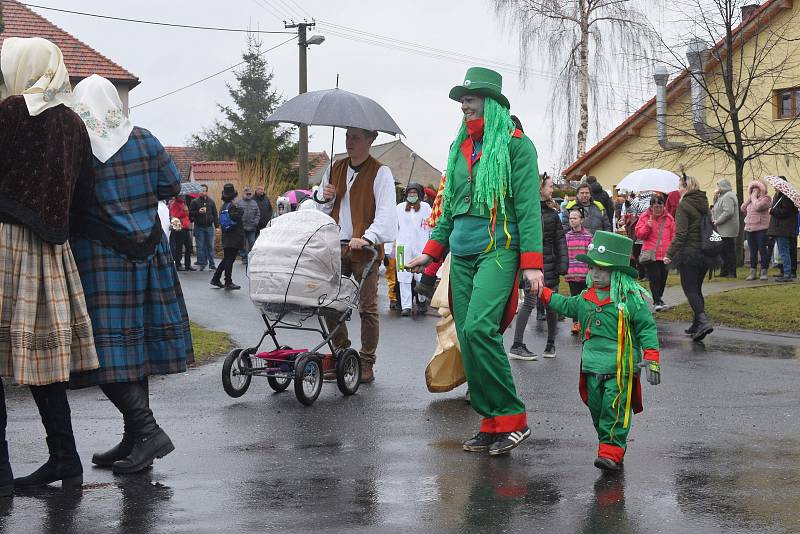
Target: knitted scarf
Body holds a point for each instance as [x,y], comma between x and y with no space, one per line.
[493,181]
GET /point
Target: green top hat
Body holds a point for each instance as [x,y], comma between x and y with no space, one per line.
[481,81]
[612,251]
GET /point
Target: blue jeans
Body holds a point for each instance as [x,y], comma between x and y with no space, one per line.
[757,243]
[204,239]
[786,257]
[249,241]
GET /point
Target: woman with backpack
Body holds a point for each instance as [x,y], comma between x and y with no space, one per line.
[686,251]
[230,221]
[655,228]
[556,261]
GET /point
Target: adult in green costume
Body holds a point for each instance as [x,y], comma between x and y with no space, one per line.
[491,223]
[619,338]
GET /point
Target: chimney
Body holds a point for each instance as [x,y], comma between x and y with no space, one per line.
[748,11]
[661,76]
[697,53]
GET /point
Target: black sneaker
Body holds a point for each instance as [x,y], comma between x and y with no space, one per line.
[232,286]
[607,464]
[480,442]
[216,283]
[520,352]
[549,351]
[506,441]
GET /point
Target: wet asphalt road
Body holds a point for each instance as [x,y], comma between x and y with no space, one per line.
[716,450]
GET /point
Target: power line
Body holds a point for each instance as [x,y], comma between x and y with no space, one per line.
[209,76]
[271,10]
[289,9]
[300,8]
[438,53]
[151,22]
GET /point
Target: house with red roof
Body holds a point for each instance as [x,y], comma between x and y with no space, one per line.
[665,131]
[81,60]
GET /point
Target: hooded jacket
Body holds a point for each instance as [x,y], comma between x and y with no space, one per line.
[178,209]
[756,210]
[649,233]
[599,195]
[725,215]
[685,247]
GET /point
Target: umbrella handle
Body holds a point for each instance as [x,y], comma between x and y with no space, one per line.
[320,200]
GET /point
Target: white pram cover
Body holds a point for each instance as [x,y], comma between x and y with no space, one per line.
[296,260]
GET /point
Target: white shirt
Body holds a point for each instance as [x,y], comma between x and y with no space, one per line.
[384,227]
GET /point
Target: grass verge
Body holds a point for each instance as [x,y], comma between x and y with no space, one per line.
[766,308]
[208,343]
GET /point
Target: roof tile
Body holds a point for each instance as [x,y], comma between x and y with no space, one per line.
[81,60]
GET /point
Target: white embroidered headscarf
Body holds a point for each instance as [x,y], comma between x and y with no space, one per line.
[97,102]
[34,68]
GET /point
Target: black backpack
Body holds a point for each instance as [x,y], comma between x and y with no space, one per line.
[710,240]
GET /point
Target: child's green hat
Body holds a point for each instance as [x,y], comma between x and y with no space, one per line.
[611,251]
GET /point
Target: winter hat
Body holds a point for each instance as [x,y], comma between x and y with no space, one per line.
[611,251]
[416,187]
[228,192]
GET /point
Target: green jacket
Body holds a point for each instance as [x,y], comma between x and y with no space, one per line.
[599,322]
[522,205]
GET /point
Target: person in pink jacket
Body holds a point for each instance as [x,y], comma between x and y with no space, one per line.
[756,222]
[656,228]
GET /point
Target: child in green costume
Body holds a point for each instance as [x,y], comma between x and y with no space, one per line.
[491,223]
[619,338]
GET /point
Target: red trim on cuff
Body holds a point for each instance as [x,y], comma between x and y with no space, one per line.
[606,450]
[487,425]
[546,295]
[517,133]
[652,354]
[510,423]
[531,260]
[434,249]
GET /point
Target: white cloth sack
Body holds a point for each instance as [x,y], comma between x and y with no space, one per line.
[297,260]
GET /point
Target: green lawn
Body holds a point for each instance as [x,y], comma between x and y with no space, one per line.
[771,308]
[741,273]
[208,343]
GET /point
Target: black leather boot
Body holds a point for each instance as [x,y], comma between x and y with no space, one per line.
[117,452]
[64,463]
[704,327]
[692,329]
[148,440]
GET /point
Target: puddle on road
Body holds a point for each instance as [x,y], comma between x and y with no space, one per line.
[758,485]
[736,347]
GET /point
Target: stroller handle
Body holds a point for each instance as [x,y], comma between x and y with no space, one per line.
[373,252]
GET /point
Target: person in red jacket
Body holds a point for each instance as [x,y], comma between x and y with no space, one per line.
[180,238]
[656,228]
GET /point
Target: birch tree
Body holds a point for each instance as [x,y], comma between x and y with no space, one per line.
[591,47]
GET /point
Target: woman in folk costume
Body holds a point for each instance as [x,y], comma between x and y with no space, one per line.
[139,318]
[619,338]
[45,175]
[413,233]
[491,223]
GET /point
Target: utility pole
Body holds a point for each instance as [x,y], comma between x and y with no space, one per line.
[302,181]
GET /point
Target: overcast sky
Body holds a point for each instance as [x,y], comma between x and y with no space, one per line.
[413,88]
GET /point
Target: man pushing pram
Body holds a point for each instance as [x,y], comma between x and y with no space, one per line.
[358,192]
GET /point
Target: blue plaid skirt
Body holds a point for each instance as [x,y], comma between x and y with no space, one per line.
[139,318]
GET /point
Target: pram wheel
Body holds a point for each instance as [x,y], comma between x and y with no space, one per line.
[277,383]
[307,378]
[236,372]
[348,371]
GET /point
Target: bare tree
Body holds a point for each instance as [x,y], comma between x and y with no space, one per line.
[738,63]
[575,38]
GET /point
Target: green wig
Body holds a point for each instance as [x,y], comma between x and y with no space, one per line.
[624,289]
[493,181]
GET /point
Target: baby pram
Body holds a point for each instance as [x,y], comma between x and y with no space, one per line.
[295,274]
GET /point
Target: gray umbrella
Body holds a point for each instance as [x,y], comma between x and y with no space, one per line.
[188,188]
[336,107]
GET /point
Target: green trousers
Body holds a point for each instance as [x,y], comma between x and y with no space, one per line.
[480,286]
[608,419]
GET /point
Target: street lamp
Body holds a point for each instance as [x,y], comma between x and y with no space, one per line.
[302,182]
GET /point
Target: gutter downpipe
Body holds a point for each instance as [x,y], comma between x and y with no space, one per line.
[661,75]
[697,53]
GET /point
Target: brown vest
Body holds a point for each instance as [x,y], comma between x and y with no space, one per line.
[362,198]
